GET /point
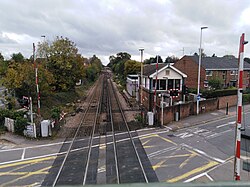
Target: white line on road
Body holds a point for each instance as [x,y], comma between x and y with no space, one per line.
[218,134]
[203,153]
[23,154]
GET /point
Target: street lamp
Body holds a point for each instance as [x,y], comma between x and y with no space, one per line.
[199,72]
[141,50]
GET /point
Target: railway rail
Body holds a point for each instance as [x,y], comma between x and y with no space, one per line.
[103,126]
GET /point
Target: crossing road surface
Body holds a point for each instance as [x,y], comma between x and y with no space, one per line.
[203,153]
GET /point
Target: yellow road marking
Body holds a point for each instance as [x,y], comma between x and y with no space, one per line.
[159,165]
[144,143]
[167,140]
[186,161]
[23,173]
[194,171]
[27,175]
[27,162]
[158,136]
[149,136]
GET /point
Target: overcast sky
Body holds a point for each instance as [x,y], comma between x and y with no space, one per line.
[106,27]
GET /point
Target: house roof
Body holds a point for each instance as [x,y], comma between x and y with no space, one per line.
[150,70]
[219,63]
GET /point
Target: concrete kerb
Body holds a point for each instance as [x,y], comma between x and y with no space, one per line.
[182,125]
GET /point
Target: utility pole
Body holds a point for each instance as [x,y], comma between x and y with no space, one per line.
[239,109]
[141,86]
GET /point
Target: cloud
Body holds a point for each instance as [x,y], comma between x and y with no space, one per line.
[106,27]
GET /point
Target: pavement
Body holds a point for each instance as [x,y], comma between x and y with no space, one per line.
[183,123]
[206,117]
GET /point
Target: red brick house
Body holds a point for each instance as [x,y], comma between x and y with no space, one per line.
[225,68]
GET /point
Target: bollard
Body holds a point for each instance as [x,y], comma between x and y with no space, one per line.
[227,109]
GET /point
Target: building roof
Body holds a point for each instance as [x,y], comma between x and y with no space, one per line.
[150,69]
[219,63]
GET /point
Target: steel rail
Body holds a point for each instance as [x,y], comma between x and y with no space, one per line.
[92,135]
[131,138]
[74,138]
[114,139]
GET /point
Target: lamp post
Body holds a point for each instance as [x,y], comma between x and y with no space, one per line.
[199,72]
[141,50]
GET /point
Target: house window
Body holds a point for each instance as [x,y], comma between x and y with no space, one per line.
[162,84]
[233,72]
[177,83]
[209,73]
[170,84]
[167,72]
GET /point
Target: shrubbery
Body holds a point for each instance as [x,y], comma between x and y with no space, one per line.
[218,93]
[20,121]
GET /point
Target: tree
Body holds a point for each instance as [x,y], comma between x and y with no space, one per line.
[171,59]
[17,57]
[62,63]
[132,67]
[1,57]
[215,83]
[117,63]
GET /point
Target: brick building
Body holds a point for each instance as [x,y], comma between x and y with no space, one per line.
[169,80]
[224,68]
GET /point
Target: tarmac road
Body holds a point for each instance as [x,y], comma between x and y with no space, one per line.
[196,149]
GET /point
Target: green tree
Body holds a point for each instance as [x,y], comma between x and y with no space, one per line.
[132,67]
[62,63]
[215,83]
[17,57]
[1,57]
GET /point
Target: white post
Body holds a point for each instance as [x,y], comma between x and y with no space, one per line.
[162,110]
[32,118]
[199,71]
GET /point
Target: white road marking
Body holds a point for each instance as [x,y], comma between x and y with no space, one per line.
[218,134]
[210,178]
[162,151]
[23,154]
[229,123]
[203,153]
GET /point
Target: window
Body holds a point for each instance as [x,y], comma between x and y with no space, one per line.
[167,72]
[177,83]
[233,72]
[170,84]
[209,73]
[162,84]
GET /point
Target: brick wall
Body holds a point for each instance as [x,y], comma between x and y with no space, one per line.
[231,100]
[190,68]
[188,109]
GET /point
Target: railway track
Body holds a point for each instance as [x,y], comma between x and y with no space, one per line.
[102,139]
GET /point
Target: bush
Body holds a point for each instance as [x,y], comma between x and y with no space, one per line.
[20,122]
[246,98]
[20,125]
[218,93]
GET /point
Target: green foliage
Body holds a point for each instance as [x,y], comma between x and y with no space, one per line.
[138,118]
[218,93]
[246,98]
[62,64]
[20,125]
[55,113]
[132,67]
[215,83]
[20,122]
[17,57]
